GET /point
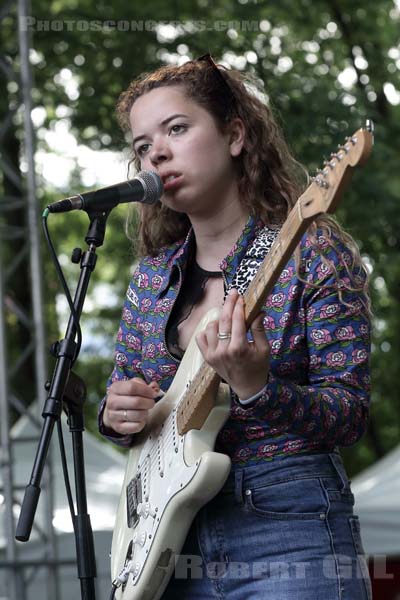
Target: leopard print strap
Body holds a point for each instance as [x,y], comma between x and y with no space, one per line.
[255,254]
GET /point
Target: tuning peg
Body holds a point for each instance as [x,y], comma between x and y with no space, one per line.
[351,139]
[329,163]
[320,182]
[332,163]
[370,126]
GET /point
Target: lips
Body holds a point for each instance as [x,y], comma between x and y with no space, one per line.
[171,180]
[169,176]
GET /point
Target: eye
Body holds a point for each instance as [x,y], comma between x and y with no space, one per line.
[178,128]
[141,150]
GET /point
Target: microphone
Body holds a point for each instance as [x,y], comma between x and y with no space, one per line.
[146,187]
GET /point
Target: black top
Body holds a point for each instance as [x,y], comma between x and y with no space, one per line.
[190,294]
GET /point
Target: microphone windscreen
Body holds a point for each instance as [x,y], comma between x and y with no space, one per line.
[153,186]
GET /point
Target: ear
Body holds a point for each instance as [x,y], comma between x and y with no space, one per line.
[237,134]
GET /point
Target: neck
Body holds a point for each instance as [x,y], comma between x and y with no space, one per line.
[216,236]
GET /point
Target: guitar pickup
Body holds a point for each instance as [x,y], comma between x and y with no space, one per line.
[133,498]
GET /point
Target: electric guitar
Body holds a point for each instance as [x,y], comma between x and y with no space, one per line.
[172,470]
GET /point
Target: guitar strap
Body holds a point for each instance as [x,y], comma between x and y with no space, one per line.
[255,254]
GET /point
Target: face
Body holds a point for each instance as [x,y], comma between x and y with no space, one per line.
[179,139]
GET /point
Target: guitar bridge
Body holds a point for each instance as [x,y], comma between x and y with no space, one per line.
[133,498]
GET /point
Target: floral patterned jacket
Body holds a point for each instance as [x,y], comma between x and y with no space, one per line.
[317,395]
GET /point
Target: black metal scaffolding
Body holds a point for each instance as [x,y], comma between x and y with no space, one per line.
[19,239]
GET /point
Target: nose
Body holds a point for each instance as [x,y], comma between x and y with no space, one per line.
[160,150]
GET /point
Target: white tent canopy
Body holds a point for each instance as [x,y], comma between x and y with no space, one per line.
[377,494]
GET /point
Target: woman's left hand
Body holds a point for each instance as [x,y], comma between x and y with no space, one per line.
[243,365]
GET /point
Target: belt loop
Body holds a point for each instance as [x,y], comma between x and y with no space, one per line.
[239,486]
[337,462]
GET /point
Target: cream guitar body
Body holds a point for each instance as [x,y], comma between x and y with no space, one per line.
[168,478]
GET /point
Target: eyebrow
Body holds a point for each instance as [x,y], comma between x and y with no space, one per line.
[165,122]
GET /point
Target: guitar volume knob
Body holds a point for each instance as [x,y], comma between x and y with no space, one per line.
[135,570]
[150,510]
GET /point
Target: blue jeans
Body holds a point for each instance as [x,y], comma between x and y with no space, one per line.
[282,530]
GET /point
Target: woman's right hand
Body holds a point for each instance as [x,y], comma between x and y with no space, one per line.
[128,404]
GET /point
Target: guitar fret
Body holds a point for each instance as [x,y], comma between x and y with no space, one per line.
[193,403]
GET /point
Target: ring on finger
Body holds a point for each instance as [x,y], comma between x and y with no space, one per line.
[125,415]
[224,335]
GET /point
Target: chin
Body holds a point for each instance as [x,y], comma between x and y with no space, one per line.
[174,205]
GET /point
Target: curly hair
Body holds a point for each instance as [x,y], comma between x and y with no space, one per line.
[270,179]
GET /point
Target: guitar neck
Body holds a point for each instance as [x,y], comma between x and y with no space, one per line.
[273,264]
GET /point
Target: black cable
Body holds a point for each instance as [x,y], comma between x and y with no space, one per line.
[113,590]
[64,285]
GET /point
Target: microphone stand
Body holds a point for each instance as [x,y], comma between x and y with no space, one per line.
[66,388]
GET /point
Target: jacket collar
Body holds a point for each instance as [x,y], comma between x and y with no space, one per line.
[232,261]
[181,250]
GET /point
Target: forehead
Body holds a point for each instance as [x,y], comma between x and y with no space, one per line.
[160,103]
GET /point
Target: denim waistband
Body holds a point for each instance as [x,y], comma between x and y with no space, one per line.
[281,468]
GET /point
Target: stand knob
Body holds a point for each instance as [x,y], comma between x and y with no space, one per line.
[76,255]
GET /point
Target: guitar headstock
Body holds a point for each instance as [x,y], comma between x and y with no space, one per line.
[324,193]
